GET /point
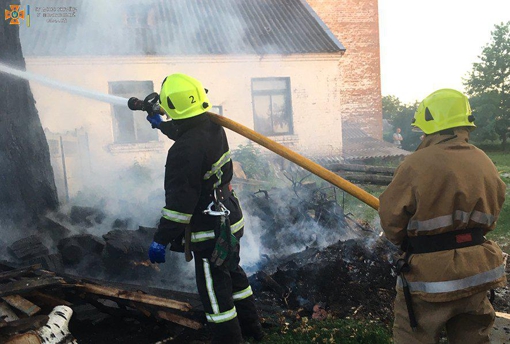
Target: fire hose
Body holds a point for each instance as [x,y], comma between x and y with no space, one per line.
[151,105]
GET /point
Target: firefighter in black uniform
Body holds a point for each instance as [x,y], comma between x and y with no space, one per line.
[202,213]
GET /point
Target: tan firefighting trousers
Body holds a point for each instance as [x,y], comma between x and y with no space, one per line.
[467,321]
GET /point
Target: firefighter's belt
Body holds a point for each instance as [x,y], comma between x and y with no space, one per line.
[222,192]
[446,241]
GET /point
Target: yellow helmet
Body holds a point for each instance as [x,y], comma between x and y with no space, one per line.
[183,96]
[443,109]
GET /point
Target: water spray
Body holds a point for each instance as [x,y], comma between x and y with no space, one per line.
[107,98]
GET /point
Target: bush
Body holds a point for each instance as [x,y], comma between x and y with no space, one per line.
[255,166]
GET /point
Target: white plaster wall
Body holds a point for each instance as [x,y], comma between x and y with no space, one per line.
[315,84]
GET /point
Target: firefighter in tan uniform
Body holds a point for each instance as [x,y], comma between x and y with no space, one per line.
[442,201]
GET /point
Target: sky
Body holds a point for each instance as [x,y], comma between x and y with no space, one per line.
[432,44]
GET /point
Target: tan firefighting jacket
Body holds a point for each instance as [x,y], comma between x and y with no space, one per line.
[446,185]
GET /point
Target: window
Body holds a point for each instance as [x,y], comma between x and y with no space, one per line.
[217,109]
[130,126]
[272,108]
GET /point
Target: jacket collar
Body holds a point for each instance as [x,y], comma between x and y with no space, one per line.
[460,135]
[183,125]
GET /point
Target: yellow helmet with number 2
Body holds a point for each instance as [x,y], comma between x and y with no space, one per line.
[443,109]
[183,96]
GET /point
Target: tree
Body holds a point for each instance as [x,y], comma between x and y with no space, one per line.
[488,85]
[400,115]
[27,185]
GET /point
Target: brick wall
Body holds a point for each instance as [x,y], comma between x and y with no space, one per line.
[356,24]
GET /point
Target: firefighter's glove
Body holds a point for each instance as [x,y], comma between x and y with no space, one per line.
[226,251]
[155,120]
[157,252]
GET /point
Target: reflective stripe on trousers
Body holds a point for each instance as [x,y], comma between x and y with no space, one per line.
[455,285]
[217,317]
[242,294]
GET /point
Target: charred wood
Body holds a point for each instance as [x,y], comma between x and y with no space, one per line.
[87,313]
[51,262]
[267,281]
[6,314]
[77,248]
[24,325]
[49,300]
[179,320]
[27,285]
[86,216]
[28,248]
[52,229]
[6,275]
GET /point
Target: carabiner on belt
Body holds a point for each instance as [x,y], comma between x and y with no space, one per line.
[223,212]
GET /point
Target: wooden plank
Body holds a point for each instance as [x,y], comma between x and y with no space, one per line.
[24,325]
[26,285]
[49,300]
[133,296]
[25,338]
[179,320]
[6,313]
[22,304]
[18,272]
[192,299]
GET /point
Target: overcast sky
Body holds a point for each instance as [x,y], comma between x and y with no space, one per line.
[432,44]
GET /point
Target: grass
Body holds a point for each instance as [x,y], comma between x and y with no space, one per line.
[340,331]
[502,232]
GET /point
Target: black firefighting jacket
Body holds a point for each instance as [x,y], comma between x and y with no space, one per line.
[197,164]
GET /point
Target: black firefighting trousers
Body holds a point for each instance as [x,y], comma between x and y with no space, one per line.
[227,299]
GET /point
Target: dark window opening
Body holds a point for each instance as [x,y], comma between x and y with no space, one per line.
[272,107]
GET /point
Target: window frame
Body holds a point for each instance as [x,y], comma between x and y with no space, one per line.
[116,128]
[286,93]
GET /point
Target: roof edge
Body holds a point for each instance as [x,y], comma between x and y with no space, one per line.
[323,25]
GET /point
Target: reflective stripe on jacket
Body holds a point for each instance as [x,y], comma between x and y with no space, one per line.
[446,185]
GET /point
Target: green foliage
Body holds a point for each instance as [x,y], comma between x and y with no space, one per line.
[400,115]
[502,232]
[488,87]
[339,331]
[254,165]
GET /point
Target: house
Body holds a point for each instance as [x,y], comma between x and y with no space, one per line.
[271,65]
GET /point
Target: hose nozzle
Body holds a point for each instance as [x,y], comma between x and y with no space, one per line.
[135,104]
[149,104]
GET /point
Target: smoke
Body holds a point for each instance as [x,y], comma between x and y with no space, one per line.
[290,219]
[133,192]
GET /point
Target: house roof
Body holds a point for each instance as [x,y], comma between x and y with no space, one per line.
[177,27]
[358,145]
